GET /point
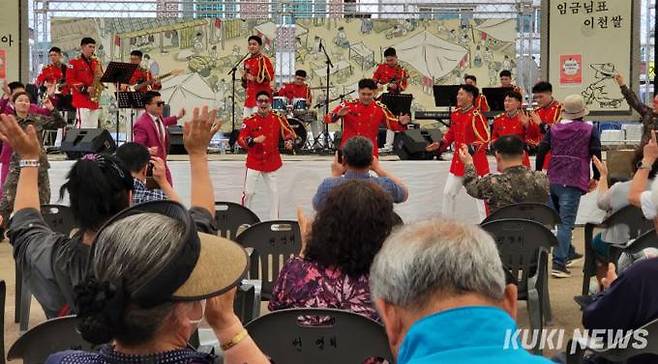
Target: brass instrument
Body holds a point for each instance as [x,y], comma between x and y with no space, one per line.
[97,85]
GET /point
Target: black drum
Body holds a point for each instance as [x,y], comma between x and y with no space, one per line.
[299,129]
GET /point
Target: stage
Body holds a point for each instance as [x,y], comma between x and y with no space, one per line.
[300,175]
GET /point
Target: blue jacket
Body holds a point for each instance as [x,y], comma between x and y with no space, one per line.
[474,334]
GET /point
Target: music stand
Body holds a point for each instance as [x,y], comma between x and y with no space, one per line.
[496,97]
[130,100]
[118,73]
[397,104]
[445,95]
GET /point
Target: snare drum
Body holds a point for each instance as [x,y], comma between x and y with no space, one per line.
[279,103]
[299,103]
[299,129]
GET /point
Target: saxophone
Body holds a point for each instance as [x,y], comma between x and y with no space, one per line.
[97,84]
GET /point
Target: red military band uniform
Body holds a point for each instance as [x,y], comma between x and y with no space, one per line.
[482,104]
[142,75]
[549,115]
[385,74]
[264,157]
[293,90]
[505,125]
[261,68]
[470,128]
[53,74]
[81,74]
[365,120]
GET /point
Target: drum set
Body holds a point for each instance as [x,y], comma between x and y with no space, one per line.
[299,116]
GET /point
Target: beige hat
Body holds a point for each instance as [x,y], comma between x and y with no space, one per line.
[573,107]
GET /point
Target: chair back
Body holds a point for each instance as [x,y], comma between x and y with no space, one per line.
[48,337]
[273,243]
[644,241]
[523,246]
[345,337]
[229,216]
[630,217]
[618,354]
[59,218]
[530,211]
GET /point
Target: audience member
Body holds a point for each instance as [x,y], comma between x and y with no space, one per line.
[626,303]
[155,278]
[140,163]
[573,142]
[22,103]
[440,288]
[332,269]
[357,161]
[647,113]
[638,194]
[515,184]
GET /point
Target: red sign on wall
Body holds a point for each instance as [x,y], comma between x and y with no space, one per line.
[571,69]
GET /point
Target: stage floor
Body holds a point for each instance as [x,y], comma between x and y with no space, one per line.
[301,174]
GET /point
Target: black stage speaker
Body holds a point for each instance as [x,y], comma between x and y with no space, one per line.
[410,144]
[79,142]
[176,145]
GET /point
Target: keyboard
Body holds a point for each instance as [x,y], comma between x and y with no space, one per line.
[440,115]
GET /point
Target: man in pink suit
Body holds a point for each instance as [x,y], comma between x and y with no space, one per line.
[150,130]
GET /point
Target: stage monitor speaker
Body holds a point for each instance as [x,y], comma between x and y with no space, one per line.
[176,145]
[79,142]
[432,135]
[410,144]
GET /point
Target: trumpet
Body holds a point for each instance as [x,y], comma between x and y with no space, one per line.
[97,85]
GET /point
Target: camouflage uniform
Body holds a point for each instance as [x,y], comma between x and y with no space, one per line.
[41,123]
[515,185]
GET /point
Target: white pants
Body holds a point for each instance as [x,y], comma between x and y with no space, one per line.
[390,137]
[87,118]
[248,111]
[249,191]
[453,185]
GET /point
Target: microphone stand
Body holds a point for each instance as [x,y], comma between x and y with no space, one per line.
[234,69]
[326,104]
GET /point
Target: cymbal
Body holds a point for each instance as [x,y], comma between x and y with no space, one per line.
[321,87]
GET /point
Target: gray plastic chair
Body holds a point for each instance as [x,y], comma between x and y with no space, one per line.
[644,241]
[273,243]
[629,216]
[230,216]
[523,246]
[530,211]
[48,337]
[347,337]
[619,355]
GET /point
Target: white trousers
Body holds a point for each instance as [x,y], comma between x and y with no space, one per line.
[87,118]
[390,137]
[250,183]
[453,185]
[248,111]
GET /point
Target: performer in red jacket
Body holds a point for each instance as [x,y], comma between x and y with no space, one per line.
[514,121]
[150,130]
[481,102]
[260,135]
[258,75]
[80,77]
[467,126]
[548,112]
[365,115]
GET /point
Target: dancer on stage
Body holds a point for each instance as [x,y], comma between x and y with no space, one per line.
[260,136]
[82,76]
[469,127]
[481,102]
[391,74]
[514,121]
[365,115]
[258,75]
[547,113]
[151,128]
[297,88]
[21,101]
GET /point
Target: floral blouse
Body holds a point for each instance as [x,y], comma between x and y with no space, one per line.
[302,283]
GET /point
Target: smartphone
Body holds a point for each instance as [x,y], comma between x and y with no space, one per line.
[149,170]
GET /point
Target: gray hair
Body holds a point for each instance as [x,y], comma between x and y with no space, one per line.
[436,257]
[357,152]
[133,250]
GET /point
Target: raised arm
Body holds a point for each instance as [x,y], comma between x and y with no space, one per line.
[196,136]
[630,96]
[641,177]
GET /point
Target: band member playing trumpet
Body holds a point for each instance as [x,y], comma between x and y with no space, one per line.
[391,74]
[297,88]
[82,76]
[258,75]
